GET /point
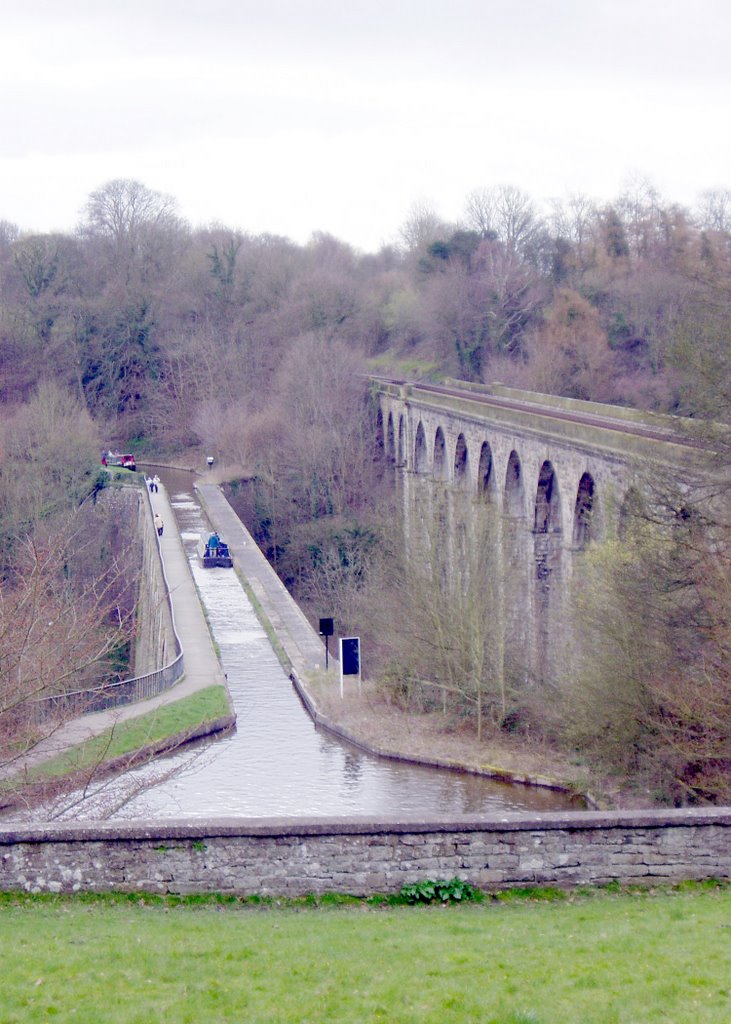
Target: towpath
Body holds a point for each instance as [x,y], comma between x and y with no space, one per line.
[202,667]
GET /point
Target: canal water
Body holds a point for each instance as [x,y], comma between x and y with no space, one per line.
[276,763]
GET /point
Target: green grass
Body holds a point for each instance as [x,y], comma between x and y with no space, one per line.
[610,958]
[405,369]
[116,475]
[137,733]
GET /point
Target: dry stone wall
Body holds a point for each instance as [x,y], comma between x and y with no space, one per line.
[304,856]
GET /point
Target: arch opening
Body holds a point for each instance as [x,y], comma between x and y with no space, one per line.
[547,516]
[421,459]
[461,463]
[440,455]
[585,526]
[486,473]
[513,496]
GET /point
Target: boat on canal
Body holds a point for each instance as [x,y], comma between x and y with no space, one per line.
[214,553]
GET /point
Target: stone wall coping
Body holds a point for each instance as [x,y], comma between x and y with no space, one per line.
[538,423]
[85,832]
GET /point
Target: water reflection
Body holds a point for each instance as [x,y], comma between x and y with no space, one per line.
[277,764]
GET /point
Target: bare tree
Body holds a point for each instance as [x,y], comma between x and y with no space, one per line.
[136,230]
[649,694]
[714,210]
[639,209]
[124,209]
[569,353]
[65,615]
[51,461]
[310,456]
[504,213]
[574,221]
[444,648]
[422,226]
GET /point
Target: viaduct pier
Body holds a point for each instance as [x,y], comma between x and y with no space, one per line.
[557,474]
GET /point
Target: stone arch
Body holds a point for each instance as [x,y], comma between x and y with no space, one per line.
[390,442]
[513,503]
[401,451]
[440,456]
[461,463]
[547,515]
[421,458]
[585,512]
[486,486]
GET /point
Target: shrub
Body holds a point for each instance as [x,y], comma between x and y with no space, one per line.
[454,891]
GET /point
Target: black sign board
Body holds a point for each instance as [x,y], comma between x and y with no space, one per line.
[327,627]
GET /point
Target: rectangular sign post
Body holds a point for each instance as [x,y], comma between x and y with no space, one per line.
[327,628]
[349,659]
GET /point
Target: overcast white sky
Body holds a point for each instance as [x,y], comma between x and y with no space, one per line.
[291,116]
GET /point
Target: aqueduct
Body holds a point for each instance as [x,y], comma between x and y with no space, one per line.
[558,472]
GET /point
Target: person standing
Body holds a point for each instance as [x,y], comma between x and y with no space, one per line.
[158,524]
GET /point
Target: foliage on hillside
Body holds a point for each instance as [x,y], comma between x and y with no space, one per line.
[159,336]
[649,692]
[67,565]
[174,335]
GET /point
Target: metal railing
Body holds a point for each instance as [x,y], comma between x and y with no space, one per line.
[112,695]
[126,691]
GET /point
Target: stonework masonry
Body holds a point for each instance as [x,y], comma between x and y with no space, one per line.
[155,644]
[296,857]
[556,475]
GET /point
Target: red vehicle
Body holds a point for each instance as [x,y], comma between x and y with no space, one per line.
[118,459]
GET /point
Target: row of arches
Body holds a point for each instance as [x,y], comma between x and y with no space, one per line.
[543,512]
[546,511]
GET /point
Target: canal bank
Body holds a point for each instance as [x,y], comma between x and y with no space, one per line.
[277,764]
[303,656]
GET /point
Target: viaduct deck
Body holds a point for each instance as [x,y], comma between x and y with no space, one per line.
[588,425]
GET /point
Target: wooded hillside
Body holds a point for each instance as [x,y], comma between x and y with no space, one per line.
[172,335]
[139,330]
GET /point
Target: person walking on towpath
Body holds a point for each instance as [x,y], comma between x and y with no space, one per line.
[158,524]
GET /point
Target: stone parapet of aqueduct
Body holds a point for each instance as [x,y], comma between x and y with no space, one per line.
[296,857]
[156,644]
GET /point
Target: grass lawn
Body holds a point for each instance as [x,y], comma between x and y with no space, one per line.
[596,958]
[132,735]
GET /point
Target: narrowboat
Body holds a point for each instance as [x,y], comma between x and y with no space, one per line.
[214,553]
[122,460]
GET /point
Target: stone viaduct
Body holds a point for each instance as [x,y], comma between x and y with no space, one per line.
[558,472]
